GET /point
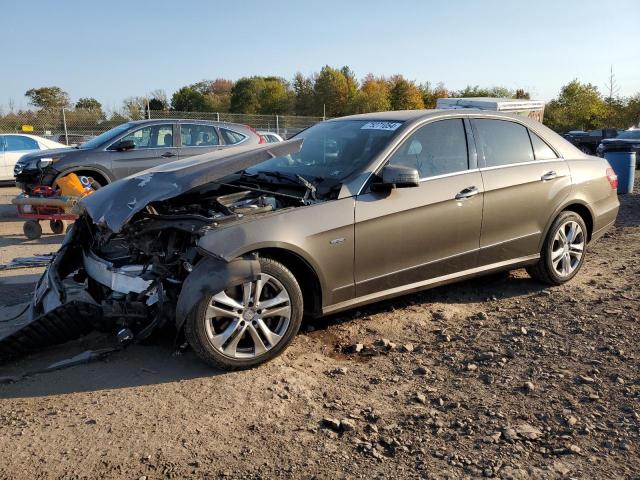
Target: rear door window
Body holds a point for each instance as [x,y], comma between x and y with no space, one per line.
[435,149]
[231,137]
[198,135]
[541,150]
[503,142]
[16,143]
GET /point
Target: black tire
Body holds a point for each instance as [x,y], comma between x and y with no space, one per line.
[196,324]
[57,226]
[544,270]
[32,229]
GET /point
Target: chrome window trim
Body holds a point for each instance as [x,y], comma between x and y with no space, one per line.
[445,175]
[529,162]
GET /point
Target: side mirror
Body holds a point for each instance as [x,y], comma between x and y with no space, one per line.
[397,176]
[125,145]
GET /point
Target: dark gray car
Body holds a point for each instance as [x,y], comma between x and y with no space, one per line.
[130,148]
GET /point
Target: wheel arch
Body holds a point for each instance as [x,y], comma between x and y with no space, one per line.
[88,171]
[577,206]
[304,272]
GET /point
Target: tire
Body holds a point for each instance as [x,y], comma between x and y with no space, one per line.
[57,226]
[549,269]
[32,229]
[222,328]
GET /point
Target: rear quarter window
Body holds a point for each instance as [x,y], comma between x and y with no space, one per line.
[541,150]
[231,137]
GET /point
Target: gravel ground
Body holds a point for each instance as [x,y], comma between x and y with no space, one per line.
[497,377]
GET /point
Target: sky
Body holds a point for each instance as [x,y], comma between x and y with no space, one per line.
[115,49]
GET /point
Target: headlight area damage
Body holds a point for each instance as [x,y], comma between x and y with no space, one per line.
[131,262]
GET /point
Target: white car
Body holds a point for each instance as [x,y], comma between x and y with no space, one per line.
[271,137]
[15,145]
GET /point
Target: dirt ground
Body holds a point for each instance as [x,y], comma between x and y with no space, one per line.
[496,377]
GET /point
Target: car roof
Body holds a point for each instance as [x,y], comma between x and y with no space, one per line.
[183,120]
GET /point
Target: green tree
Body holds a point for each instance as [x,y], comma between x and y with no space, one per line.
[522,94]
[245,95]
[373,95]
[275,97]
[88,104]
[218,95]
[476,91]
[578,106]
[404,94]
[352,88]
[157,100]
[48,98]
[188,99]
[430,95]
[331,92]
[304,102]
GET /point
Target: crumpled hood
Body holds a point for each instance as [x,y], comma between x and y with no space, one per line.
[114,205]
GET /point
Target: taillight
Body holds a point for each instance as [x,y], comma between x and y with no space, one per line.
[613,178]
[261,139]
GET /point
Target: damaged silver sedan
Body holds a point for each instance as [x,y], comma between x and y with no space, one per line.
[232,248]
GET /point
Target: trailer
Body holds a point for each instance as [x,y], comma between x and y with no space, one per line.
[533,109]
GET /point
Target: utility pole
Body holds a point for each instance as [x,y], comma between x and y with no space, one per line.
[64,121]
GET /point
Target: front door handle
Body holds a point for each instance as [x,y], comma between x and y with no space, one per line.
[168,155]
[548,176]
[467,193]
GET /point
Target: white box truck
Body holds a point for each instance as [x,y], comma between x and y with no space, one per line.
[529,108]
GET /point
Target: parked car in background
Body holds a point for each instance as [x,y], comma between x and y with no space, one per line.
[234,248]
[589,141]
[15,145]
[627,141]
[130,148]
[270,137]
[72,139]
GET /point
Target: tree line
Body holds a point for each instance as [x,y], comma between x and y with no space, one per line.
[334,92]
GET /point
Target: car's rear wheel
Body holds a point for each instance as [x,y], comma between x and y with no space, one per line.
[563,252]
[250,323]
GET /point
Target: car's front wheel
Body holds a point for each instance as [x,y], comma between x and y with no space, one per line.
[563,251]
[250,323]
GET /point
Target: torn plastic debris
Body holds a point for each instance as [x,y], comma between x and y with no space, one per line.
[28,262]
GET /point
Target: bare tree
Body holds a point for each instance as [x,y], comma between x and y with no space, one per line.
[612,98]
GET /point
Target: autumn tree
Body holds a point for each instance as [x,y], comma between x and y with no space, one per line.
[404,94]
[373,95]
[430,94]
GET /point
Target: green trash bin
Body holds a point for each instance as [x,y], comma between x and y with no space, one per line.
[624,164]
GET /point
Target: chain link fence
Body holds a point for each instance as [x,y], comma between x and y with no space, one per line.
[77,126]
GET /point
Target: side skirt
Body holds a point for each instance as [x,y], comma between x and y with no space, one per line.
[430,283]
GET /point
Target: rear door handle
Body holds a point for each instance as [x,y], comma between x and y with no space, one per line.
[467,193]
[168,155]
[549,176]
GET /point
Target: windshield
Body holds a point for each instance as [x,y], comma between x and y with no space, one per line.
[333,150]
[633,134]
[105,137]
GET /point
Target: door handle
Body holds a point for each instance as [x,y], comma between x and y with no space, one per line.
[549,176]
[467,193]
[168,155]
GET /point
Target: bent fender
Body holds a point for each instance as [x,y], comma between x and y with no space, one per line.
[211,276]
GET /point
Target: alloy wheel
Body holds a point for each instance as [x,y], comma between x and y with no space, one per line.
[567,248]
[250,319]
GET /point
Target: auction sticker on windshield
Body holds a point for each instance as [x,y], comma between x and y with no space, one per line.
[381,126]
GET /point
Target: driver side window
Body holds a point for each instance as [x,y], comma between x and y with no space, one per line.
[153,136]
[435,149]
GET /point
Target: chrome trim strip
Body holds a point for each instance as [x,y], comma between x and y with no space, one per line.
[418,266]
[452,174]
[510,240]
[531,162]
[396,291]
